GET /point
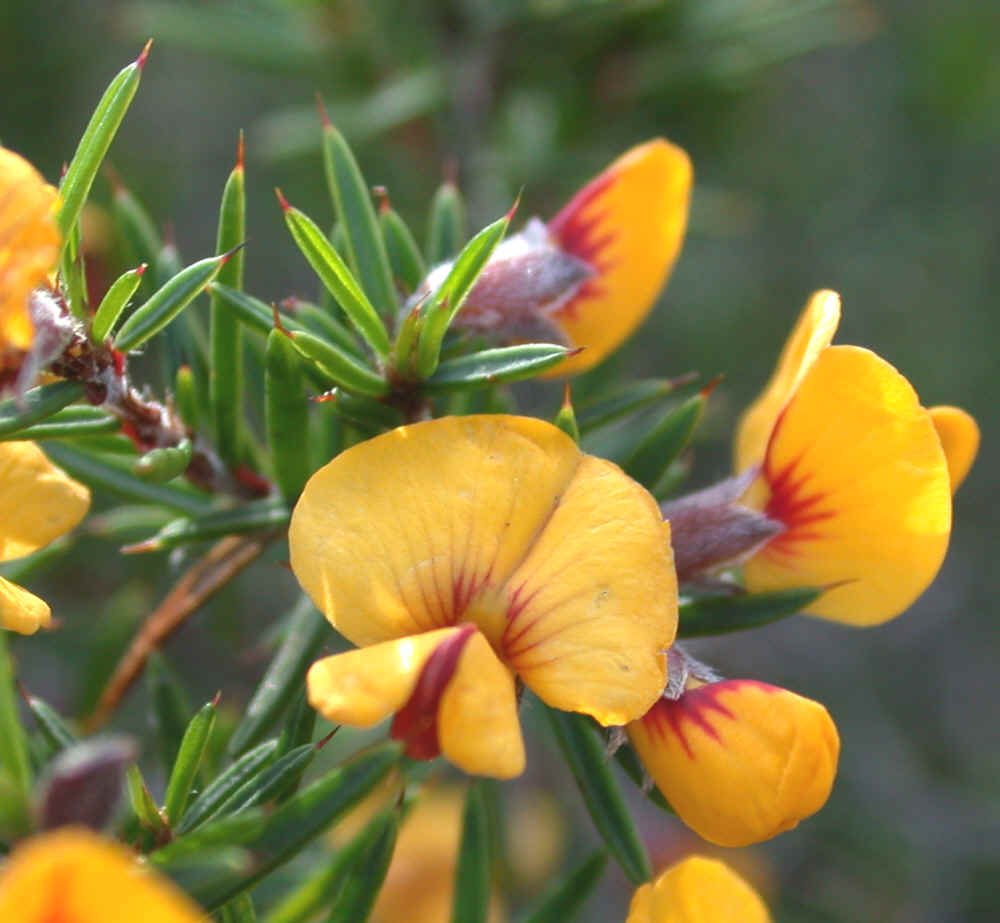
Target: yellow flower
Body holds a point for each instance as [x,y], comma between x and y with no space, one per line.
[627,224]
[739,761]
[74,876]
[697,890]
[420,884]
[29,246]
[462,552]
[856,470]
[38,503]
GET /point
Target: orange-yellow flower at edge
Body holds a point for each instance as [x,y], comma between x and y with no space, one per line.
[38,503]
[697,890]
[29,245]
[74,876]
[739,761]
[460,552]
[628,224]
[959,435]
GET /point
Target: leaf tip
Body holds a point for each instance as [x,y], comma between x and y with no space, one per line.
[140,62]
[240,152]
[282,201]
[382,197]
[324,116]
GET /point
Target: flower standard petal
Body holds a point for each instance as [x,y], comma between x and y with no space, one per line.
[628,223]
[478,728]
[739,761]
[813,332]
[22,611]
[29,244]
[593,606]
[38,501]
[856,472]
[959,435]
[73,876]
[698,890]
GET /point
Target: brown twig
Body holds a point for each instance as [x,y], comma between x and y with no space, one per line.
[211,573]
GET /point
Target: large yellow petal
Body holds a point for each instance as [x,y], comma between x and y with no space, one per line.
[959,435]
[22,611]
[812,333]
[29,244]
[363,687]
[559,559]
[395,535]
[594,605]
[739,761]
[698,890]
[856,471]
[478,728]
[628,223]
[38,501]
[73,876]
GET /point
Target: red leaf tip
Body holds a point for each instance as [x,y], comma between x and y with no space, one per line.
[513,209]
[141,269]
[240,152]
[282,201]
[382,197]
[229,254]
[140,62]
[324,116]
[711,386]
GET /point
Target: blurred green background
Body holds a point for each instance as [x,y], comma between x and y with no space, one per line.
[849,145]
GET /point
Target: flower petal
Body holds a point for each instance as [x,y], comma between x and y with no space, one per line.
[363,687]
[628,223]
[395,535]
[29,244]
[739,761]
[812,333]
[698,890]
[855,471]
[22,611]
[959,435]
[38,501]
[594,605]
[478,727]
[72,875]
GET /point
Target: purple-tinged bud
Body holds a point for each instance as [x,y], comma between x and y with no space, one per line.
[709,529]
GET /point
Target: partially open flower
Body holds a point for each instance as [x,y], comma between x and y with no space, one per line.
[590,276]
[462,552]
[73,876]
[29,248]
[959,435]
[739,761]
[697,890]
[38,503]
[855,469]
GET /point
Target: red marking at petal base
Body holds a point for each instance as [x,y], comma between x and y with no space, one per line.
[416,722]
[696,707]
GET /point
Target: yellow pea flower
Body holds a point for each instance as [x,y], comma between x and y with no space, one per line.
[858,472]
[38,503]
[463,552]
[29,247]
[739,761]
[628,224]
[420,884]
[74,876]
[697,890]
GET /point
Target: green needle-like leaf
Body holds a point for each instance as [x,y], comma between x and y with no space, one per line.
[353,203]
[37,404]
[364,876]
[189,755]
[114,303]
[168,301]
[225,333]
[339,368]
[13,743]
[239,910]
[471,901]
[97,138]
[255,516]
[493,366]
[722,614]
[595,414]
[169,708]
[287,415]
[446,227]
[407,263]
[447,301]
[566,897]
[306,632]
[336,277]
[53,727]
[584,752]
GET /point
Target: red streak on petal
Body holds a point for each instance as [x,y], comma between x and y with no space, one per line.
[416,722]
[695,707]
[586,236]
